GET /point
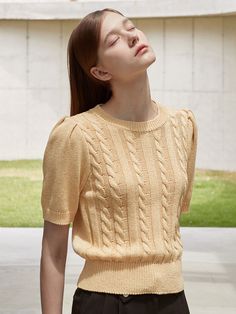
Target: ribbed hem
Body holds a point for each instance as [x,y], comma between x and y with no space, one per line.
[131,278]
[147,125]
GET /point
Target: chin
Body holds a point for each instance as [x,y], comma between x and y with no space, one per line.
[153,59]
[150,61]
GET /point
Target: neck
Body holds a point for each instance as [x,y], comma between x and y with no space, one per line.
[131,100]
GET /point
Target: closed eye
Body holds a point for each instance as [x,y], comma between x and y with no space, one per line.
[119,37]
[114,42]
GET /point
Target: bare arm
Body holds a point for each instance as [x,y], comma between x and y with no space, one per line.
[52,267]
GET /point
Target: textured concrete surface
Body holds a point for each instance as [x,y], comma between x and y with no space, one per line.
[72,9]
[194,68]
[209,269]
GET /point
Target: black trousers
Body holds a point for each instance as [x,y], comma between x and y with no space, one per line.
[91,302]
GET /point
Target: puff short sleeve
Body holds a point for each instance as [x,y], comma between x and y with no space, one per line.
[192,151]
[65,170]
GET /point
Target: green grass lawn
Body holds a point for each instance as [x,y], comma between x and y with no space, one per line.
[213,201]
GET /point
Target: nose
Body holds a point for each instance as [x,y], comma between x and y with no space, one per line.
[133,39]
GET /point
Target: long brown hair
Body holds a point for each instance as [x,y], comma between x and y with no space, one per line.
[86,91]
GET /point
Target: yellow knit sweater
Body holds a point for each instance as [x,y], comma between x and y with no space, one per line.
[123,184]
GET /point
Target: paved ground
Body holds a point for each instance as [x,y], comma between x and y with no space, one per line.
[209,269]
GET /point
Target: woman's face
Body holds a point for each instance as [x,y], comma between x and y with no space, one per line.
[116,54]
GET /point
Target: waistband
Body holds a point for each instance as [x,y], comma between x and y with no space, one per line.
[131,277]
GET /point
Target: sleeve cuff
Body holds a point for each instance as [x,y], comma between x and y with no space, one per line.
[59,218]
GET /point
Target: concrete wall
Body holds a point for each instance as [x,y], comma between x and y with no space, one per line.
[195,68]
[76,9]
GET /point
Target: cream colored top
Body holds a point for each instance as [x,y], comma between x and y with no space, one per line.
[123,185]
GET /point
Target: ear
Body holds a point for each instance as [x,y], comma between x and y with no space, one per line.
[100,74]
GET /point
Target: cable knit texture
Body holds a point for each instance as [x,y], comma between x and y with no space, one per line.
[123,185]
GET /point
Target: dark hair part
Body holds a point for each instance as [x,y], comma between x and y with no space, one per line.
[86,91]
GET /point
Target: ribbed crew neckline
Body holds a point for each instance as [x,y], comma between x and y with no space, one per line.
[147,125]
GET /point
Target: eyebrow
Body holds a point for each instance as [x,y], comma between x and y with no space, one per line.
[125,20]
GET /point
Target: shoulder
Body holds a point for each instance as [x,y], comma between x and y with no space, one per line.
[191,120]
[172,111]
[184,115]
[66,143]
[66,128]
[189,114]
[185,120]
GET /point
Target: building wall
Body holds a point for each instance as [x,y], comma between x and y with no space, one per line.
[195,68]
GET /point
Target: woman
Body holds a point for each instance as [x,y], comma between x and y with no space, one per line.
[121,169]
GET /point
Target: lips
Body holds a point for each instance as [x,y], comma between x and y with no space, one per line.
[139,48]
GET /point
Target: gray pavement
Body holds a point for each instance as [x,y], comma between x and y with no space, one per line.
[209,270]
